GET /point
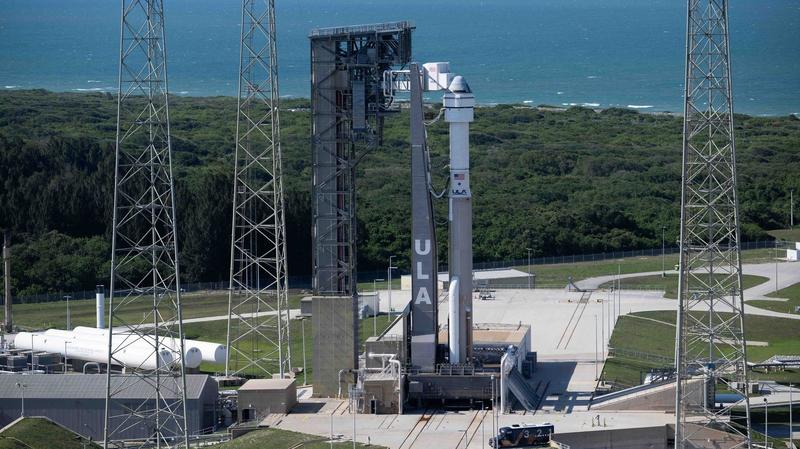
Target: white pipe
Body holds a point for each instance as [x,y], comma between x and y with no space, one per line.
[100,308]
[503,386]
[399,385]
[88,364]
[454,331]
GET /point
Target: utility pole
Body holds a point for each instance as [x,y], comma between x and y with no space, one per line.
[709,349]
[791,209]
[8,317]
[258,343]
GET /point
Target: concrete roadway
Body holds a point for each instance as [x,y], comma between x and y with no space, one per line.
[788,273]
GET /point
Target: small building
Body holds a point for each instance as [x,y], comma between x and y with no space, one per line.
[260,397]
[77,401]
[497,278]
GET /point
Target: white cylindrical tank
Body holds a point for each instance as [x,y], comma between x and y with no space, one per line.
[194,351]
[210,352]
[100,307]
[91,350]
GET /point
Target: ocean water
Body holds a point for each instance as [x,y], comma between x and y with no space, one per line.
[598,53]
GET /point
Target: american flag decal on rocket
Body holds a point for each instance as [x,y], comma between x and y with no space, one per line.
[458,176]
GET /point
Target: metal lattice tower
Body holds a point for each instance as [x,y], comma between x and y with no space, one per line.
[710,346]
[145,306]
[258,305]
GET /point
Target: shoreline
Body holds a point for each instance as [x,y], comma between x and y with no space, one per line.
[524,104]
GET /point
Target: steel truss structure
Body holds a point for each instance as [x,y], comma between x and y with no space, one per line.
[145,300]
[710,345]
[348,106]
[258,305]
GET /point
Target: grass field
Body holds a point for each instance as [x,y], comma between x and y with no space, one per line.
[283,439]
[38,433]
[669,283]
[556,275]
[215,331]
[656,335]
[792,235]
[47,315]
[792,293]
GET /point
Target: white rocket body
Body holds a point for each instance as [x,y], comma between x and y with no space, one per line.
[459,111]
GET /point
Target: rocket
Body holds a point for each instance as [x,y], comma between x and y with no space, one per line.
[459,107]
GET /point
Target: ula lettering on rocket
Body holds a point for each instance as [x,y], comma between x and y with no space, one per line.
[422,248]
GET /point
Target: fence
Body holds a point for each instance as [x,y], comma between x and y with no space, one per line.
[304,282]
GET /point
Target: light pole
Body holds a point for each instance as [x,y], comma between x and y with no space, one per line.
[791,209]
[529,267]
[663,252]
[303,330]
[619,288]
[69,318]
[65,356]
[766,423]
[389,277]
[595,348]
[21,388]
[355,413]
[494,431]
[603,326]
[791,421]
[377,306]
[776,265]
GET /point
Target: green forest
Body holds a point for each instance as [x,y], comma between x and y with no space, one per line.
[560,182]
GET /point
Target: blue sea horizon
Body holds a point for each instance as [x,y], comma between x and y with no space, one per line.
[600,54]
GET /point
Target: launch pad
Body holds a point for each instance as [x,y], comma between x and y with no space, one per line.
[355,81]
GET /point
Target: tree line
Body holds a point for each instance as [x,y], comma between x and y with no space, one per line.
[559,182]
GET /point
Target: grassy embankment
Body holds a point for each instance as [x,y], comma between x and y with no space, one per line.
[669,283]
[38,433]
[654,333]
[284,439]
[47,315]
[556,275]
[792,235]
[790,293]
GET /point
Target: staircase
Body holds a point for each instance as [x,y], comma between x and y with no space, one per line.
[522,391]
